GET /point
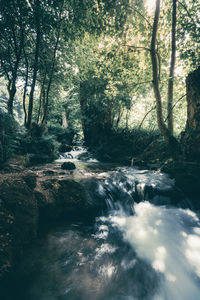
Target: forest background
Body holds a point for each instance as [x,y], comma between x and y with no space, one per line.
[111,73]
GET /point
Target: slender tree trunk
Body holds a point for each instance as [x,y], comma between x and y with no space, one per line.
[51,76]
[156,89]
[25,89]
[53,65]
[65,119]
[169,138]
[12,91]
[42,98]
[171,72]
[18,51]
[35,68]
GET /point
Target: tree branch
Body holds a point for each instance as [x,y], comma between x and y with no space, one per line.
[139,127]
[175,105]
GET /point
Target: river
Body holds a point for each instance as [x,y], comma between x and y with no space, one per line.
[141,247]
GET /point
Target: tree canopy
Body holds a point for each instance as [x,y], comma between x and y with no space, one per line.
[88,64]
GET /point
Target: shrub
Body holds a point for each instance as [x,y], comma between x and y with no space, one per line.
[121,145]
[62,135]
[10,136]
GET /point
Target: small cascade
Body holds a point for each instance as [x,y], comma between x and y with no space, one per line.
[77,153]
[125,186]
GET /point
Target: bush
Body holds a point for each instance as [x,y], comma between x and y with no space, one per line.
[39,147]
[121,145]
[62,135]
[9,137]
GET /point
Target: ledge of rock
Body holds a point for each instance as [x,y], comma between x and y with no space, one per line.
[26,203]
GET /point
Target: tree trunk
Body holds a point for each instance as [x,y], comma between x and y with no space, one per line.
[42,99]
[12,92]
[18,51]
[65,119]
[35,69]
[169,138]
[52,66]
[191,137]
[171,72]
[25,90]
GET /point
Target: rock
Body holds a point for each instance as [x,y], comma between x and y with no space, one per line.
[65,148]
[84,156]
[66,199]
[187,178]
[49,172]
[19,217]
[30,178]
[68,166]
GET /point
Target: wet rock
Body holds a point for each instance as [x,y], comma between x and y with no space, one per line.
[84,156]
[49,172]
[65,148]
[66,198]
[68,166]
[187,178]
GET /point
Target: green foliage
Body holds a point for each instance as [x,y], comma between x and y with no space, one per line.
[94,67]
[39,147]
[62,135]
[189,33]
[124,144]
[9,137]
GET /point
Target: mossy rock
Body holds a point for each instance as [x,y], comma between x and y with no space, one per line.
[68,166]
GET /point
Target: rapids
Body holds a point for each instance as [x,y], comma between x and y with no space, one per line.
[139,247]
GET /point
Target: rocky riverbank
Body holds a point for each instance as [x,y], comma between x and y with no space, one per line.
[27,202]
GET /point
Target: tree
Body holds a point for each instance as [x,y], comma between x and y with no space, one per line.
[172,67]
[169,138]
[12,40]
[37,16]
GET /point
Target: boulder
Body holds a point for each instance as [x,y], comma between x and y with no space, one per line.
[68,166]
[65,148]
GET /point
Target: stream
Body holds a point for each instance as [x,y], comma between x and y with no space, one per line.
[139,247]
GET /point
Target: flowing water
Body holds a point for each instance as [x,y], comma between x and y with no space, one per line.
[134,250]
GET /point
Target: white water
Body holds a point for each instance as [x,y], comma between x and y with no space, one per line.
[169,240]
[74,155]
